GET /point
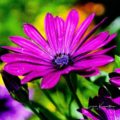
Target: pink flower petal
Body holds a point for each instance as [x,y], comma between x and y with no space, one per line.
[111,37]
[93,43]
[117,70]
[70,26]
[23,51]
[51,32]
[115,81]
[104,50]
[59,22]
[89,114]
[89,72]
[95,61]
[28,45]
[21,68]
[111,114]
[33,33]
[116,100]
[50,80]
[21,57]
[34,75]
[94,29]
[80,32]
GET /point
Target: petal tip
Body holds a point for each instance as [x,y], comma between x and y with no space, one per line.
[44,86]
[49,15]
[114,35]
[27,25]
[23,82]
[73,11]
[11,37]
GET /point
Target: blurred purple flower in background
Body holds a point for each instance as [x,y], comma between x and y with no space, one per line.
[11,109]
[65,49]
[115,77]
[105,106]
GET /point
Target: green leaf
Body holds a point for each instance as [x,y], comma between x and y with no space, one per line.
[114,26]
[49,115]
[117,62]
[99,80]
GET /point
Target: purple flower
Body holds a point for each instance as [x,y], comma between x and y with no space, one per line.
[10,109]
[115,77]
[65,49]
[104,106]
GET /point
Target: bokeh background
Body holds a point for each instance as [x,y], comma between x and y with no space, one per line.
[14,13]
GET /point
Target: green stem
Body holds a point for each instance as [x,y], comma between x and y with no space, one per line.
[71,87]
[73,91]
[39,114]
[47,94]
[51,100]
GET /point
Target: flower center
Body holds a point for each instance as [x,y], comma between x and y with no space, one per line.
[3,106]
[61,60]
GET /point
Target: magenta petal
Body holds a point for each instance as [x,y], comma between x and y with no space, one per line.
[59,22]
[110,38]
[33,33]
[116,100]
[95,61]
[37,73]
[18,68]
[21,68]
[14,49]
[24,51]
[94,29]
[89,72]
[115,77]
[70,26]
[21,57]
[28,45]
[94,43]
[32,75]
[115,81]
[111,114]
[117,70]
[104,50]
[89,114]
[50,80]
[23,42]
[80,32]
[51,32]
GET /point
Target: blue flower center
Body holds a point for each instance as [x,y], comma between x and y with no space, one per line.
[61,60]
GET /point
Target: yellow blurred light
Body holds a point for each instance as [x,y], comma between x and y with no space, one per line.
[108,68]
[39,23]
[1,81]
[1,68]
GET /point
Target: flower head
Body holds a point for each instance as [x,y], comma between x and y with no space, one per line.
[11,109]
[65,49]
[104,106]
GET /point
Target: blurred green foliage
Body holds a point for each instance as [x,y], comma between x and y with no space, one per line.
[13,13]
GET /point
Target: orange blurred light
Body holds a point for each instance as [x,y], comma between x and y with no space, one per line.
[98,8]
